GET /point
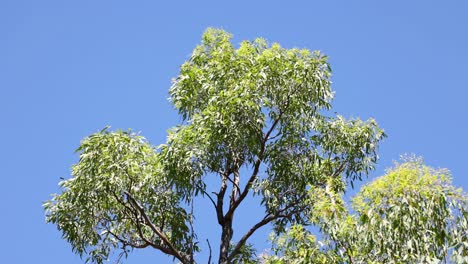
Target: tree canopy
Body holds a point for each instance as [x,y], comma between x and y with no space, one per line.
[413,214]
[255,119]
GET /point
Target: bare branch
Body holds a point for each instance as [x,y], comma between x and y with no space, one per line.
[209,196]
[235,188]
[236,185]
[209,246]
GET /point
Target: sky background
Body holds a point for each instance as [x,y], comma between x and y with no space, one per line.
[69,68]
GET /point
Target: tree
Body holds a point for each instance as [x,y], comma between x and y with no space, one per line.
[413,214]
[256,120]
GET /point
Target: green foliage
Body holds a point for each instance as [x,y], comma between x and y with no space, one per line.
[413,214]
[298,245]
[264,103]
[246,255]
[94,211]
[255,119]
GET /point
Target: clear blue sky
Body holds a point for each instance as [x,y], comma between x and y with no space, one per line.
[68,68]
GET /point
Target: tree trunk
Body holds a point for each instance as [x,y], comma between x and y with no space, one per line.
[226,237]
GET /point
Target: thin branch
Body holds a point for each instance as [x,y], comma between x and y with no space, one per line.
[235,184]
[172,250]
[339,170]
[267,219]
[275,136]
[192,235]
[163,249]
[235,191]
[125,242]
[137,223]
[258,162]
[142,236]
[131,212]
[121,202]
[263,222]
[209,246]
[209,196]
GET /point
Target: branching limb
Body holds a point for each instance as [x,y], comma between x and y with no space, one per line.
[126,242]
[266,220]
[171,249]
[256,169]
[235,182]
[133,216]
[208,195]
[282,213]
[235,188]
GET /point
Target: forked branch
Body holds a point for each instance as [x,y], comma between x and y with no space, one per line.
[172,250]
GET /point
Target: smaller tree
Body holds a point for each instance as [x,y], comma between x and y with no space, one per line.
[413,214]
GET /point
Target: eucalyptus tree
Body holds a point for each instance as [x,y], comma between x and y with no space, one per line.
[413,214]
[256,120]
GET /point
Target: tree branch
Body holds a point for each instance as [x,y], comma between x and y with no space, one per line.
[133,216]
[192,232]
[339,170]
[135,219]
[235,182]
[209,196]
[171,249]
[275,136]
[220,200]
[235,188]
[142,236]
[123,241]
[267,219]
[209,246]
[257,164]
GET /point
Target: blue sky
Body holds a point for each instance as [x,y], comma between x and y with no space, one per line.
[69,68]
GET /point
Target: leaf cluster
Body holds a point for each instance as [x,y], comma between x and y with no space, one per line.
[97,210]
[413,214]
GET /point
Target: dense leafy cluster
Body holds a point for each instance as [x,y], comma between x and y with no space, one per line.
[116,185]
[263,106]
[413,214]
